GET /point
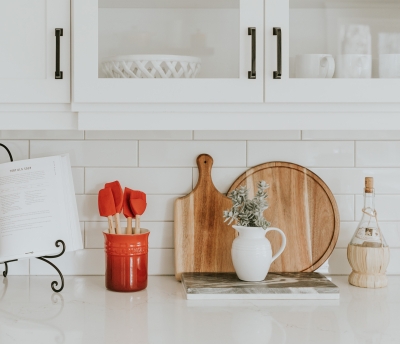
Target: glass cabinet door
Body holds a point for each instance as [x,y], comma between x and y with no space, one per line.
[333,50]
[29,31]
[180,51]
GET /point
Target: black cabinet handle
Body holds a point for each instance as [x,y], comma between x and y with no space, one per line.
[278,32]
[252,33]
[59,74]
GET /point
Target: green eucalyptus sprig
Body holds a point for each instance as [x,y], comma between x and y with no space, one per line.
[248,213]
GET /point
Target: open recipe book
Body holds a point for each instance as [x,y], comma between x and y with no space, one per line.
[37,208]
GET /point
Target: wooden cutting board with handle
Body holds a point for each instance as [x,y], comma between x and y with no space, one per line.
[303,207]
[202,240]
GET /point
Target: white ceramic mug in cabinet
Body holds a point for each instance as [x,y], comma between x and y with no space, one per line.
[353,66]
[314,66]
[389,65]
[252,253]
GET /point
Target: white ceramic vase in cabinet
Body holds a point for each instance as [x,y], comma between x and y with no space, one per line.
[28,53]
[226,35]
[252,253]
[358,36]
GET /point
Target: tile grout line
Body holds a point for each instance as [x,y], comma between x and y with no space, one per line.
[355,153]
[247,154]
[137,153]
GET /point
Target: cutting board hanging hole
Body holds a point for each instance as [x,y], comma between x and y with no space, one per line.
[204,164]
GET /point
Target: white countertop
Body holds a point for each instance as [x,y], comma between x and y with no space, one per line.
[85,312]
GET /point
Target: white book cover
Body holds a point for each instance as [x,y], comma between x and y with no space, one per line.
[37,208]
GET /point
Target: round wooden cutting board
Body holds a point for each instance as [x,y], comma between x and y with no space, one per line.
[303,206]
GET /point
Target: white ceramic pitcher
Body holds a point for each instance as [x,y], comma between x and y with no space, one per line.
[252,253]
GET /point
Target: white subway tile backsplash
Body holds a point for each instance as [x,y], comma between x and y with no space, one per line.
[42,134]
[337,263]
[352,180]
[390,230]
[159,208]
[394,266]
[184,153]
[149,180]
[19,150]
[90,153]
[345,205]
[161,262]
[163,164]
[139,135]
[250,135]
[378,154]
[223,178]
[92,262]
[161,233]
[78,175]
[324,135]
[387,207]
[306,153]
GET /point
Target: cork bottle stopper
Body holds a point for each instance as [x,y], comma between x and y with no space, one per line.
[369,184]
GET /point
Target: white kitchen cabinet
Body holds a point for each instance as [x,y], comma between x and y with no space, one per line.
[28,37]
[227,35]
[345,51]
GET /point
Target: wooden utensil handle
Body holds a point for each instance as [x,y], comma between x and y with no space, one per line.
[111,229]
[137,224]
[118,224]
[129,225]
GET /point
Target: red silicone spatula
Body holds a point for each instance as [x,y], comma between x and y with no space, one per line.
[107,207]
[118,201]
[138,206]
[127,210]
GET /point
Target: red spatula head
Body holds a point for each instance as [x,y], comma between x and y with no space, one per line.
[117,194]
[138,195]
[138,202]
[138,206]
[127,207]
[106,203]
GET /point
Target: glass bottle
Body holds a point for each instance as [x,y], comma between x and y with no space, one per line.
[368,233]
[368,253]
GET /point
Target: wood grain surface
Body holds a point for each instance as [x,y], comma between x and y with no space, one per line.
[202,240]
[303,207]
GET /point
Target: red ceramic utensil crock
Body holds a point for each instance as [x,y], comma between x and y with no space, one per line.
[126,261]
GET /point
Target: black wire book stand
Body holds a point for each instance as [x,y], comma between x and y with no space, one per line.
[58,243]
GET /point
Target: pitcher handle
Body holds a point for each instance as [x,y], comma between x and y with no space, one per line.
[277,254]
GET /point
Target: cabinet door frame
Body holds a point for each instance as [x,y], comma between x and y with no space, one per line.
[89,88]
[292,90]
[48,89]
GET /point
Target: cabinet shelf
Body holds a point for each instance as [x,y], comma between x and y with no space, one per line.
[245,117]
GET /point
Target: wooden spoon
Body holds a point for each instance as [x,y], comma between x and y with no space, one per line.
[107,207]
